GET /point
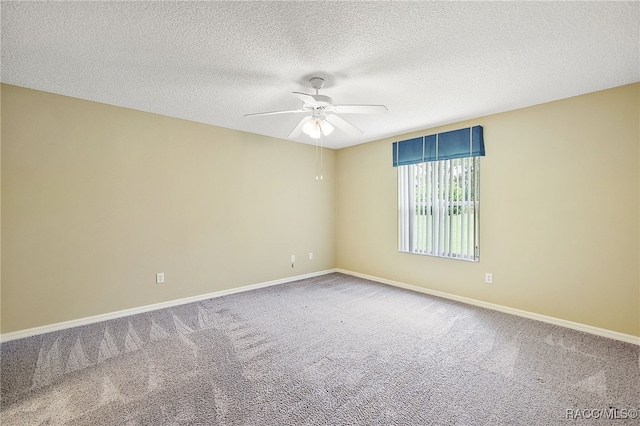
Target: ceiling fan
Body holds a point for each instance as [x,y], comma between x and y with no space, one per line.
[323,118]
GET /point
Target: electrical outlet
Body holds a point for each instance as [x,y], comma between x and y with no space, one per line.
[160,278]
[293,260]
[310,256]
[488,278]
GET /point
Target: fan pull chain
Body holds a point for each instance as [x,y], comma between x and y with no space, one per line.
[319,165]
[321,162]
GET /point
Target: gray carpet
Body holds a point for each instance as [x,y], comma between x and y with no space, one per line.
[329,350]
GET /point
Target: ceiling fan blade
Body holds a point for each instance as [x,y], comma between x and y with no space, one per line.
[360,109]
[296,132]
[275,112]
[343,125]
[305,97]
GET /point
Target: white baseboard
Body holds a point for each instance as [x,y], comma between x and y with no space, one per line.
[126,312]
[543,318]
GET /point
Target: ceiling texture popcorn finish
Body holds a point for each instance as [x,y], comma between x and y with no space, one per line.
[430,63]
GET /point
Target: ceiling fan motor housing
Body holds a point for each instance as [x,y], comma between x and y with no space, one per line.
[322,100]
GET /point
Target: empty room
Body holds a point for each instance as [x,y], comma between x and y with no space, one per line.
[319,213]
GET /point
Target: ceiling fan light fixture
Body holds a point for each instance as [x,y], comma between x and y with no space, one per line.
[326,127]
[309,126]
[316,132]
[317,127]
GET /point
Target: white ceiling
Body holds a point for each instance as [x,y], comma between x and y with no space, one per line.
[430,63]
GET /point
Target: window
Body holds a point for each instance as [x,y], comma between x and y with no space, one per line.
[439,194]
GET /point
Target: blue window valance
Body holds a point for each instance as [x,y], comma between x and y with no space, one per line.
[467,142]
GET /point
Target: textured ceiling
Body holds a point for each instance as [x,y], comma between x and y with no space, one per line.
[430,63]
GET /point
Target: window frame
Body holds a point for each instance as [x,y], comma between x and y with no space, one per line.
[438,197]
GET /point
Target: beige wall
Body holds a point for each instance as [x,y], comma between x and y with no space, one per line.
[96,199]
[559,213]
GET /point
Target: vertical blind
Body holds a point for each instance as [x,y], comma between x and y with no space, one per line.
[438,193]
